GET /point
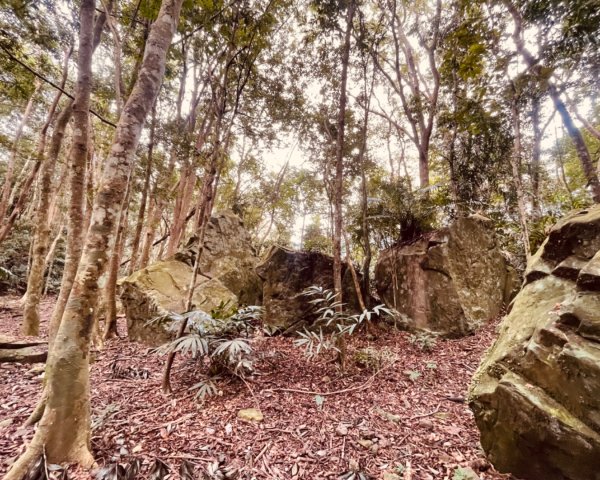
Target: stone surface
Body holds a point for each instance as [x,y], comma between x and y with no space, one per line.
[286,274]
[448,282]
[536,394]
[251,415]
[227,276]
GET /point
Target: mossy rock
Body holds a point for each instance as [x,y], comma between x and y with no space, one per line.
[536,394]
[448,282]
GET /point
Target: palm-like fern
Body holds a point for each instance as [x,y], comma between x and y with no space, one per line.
[223,341]
[331,314]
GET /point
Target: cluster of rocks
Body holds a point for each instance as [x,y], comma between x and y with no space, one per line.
[447,283]
[231,275]
[536,395]
[226,279]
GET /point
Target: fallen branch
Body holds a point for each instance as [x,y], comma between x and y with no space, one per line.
[335,392]
[427,414]
[22,355]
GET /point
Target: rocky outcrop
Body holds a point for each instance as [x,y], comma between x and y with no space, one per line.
[448,282]
[536,395]
[227,276]
[286,274]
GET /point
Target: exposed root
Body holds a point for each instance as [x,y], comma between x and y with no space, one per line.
[38,411]
[21,467]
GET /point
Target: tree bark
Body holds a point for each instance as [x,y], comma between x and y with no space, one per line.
[535,157]
[10,170]
[110,291]
[64,430]
[204,208]
[41,239]
[338,189]
[580,147]
[516,174]
[576,137]
[135,244]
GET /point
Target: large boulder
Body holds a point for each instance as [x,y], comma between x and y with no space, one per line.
[227,277]
[536,394]
[449,281]
[286,274]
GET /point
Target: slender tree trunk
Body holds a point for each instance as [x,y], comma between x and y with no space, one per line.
[535,157]
[204,208]
[150,232]
[135,244]
[110,291]
[63,433]
[35,282]
[75,221]
[574,134]
[10,170]
[50,256]
[338,188]
[516,173]
[576,137]
[186,192]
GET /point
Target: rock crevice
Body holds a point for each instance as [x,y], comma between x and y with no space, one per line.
[449,282]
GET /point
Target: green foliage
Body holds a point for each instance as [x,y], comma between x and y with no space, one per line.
[462,474]
[224,342]
[397,213]
[431,365]
[332,318]
[425,341]
[373,358]
[413,375]
[314,239]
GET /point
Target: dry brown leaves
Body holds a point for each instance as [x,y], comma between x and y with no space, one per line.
[408,413]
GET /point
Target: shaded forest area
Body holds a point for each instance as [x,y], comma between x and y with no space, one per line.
[299,239]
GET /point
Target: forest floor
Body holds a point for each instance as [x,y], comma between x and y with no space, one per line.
[404,417]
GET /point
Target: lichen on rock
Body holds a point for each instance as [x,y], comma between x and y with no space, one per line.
[536,394]
[227,277]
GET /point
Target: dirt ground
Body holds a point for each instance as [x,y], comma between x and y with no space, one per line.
[319,423]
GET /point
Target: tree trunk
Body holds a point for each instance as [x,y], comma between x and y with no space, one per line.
[535,157]
[135,244]
[64,430]
[35,281]
[10,169]
[580,147]
[338,189]
[150,232]
[515,164]
[110,291]
[204,208]
[576,137]
[186,192]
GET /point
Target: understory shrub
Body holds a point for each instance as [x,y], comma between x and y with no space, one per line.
[221,338]
[333,323]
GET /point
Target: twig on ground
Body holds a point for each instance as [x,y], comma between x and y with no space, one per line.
[433,412]
[335,392]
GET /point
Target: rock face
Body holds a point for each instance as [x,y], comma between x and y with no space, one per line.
[536,395]
[227,276]
[448,282]
[286,273]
